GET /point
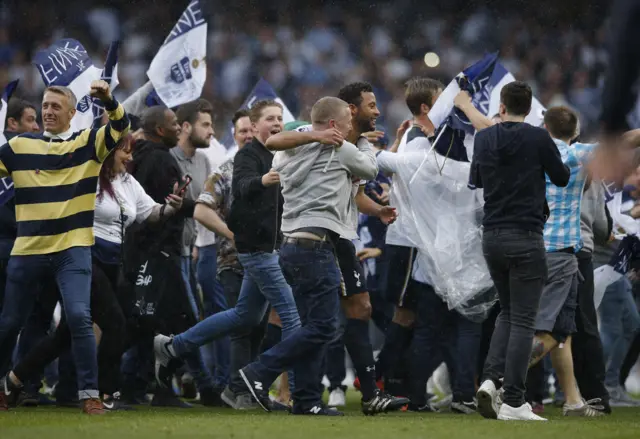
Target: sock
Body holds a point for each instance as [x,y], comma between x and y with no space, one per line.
[272,337]
[398,339]
[356,339]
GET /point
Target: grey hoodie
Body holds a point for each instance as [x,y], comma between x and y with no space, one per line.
[317,185]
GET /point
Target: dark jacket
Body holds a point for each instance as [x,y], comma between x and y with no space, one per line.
[256,211]
[510,160]
[157,171]
[8,227]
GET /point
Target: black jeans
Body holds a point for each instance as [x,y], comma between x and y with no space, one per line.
[442,334]
[518,267]
[245,343]
[586,347]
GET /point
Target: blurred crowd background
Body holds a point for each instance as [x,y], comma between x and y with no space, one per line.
[309,48]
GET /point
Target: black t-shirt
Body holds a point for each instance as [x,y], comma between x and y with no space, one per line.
[510,160]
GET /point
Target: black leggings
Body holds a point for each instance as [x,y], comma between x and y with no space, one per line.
[107,314]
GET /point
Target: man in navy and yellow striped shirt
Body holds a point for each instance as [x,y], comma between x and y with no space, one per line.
[55,176]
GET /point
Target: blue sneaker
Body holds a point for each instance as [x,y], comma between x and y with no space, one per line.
[257,388]
[317,410]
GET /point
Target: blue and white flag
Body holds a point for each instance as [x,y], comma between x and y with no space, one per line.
[260,92]
[6,184]
[178,71]
[67,63]
[484,81]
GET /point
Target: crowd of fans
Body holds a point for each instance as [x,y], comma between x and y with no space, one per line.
[304,49]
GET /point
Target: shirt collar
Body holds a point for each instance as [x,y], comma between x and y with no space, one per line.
[64,135]
[181,155]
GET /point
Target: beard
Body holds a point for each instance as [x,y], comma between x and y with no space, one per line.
[198,142]
[364,125]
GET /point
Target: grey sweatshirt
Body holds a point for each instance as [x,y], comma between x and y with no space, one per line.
[593,218]
[317,185]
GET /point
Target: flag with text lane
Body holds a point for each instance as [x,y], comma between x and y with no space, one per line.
[67,63]
[178,71]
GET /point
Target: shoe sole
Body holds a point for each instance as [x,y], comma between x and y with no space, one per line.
[485,405]
[228,401]
[509,418]
[253,392]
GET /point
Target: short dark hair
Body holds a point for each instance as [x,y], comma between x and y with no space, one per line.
[352,93]
[152,118]
[190,111]
[239,115]
[561,122]
[516,97]
[256,110]
[16,108]
[420,91]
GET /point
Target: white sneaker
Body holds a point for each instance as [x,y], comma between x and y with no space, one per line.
[487,396]
[522,413]
[337,398]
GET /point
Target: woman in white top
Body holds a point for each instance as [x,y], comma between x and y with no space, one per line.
[120,201]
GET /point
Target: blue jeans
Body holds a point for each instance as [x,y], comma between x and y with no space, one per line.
[214,300]
[619,324]
[72,271]
[314,276]
[263,281]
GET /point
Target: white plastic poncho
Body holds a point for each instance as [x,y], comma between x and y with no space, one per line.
[443,221]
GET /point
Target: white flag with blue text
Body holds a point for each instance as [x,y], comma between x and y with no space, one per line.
[6,184]
[67,63]
[484,80]
[178,71]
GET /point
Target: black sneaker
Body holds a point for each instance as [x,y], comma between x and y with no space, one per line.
[277,406]
[258,390]
[427,408]
[11,391]
[463,407]
[115,403]
[209,397]
[168,399]
[382,403]
[317,410]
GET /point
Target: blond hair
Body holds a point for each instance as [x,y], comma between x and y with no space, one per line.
[64,91]
[326,109]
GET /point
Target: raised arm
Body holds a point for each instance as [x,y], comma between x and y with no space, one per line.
[552,163]
[477,119]
[118,126]
[292,139]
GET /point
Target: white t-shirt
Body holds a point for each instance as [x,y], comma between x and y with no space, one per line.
[132,197]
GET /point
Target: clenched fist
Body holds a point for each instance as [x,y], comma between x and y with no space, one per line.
[100,90]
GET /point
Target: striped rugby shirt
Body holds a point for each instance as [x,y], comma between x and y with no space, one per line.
[55,180]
